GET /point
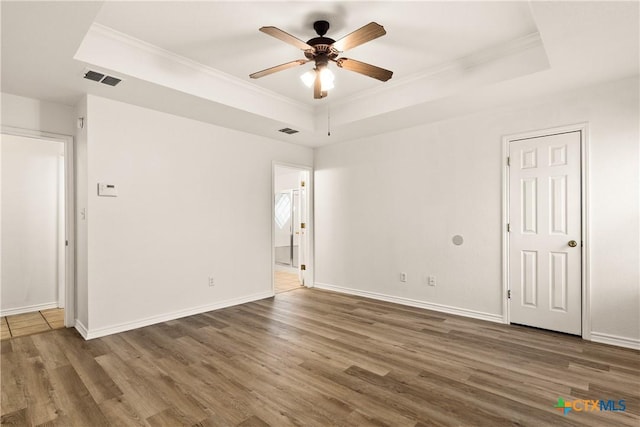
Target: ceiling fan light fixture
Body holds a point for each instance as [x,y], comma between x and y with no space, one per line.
[308,78]
[326,78]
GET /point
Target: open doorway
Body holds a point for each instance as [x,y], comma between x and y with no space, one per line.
[291,227]
[36,222]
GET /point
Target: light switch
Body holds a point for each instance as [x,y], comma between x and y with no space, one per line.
[107,190]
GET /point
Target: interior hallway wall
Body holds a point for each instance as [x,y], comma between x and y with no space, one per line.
[32,181]
[391,203]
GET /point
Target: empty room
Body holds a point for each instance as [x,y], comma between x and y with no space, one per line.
[318,213]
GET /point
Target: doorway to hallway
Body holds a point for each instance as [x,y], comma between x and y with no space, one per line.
[290,227]
[37,229]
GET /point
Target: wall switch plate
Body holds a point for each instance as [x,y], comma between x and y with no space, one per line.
[211,281]
[431,280]
[403,277]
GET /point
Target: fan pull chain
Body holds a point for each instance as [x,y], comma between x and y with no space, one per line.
[328,120]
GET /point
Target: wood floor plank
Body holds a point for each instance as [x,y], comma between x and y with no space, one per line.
[135,390]
[15,418]
[12,374]
[80,355]
[315,358]
[48,346]
[184,406]
[119,412]
[74,404]
[38,392]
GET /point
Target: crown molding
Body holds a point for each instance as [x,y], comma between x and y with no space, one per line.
[468,62]
[145,63]
[136,43]
[516,58]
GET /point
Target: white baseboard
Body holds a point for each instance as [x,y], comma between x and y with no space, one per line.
[89,334]
[81,329]
[631,343]
[497,318]
[28,308]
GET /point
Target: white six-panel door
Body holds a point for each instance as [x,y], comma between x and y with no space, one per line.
[545,222]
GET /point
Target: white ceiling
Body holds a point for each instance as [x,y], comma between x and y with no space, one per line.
[224,36]
[193,58]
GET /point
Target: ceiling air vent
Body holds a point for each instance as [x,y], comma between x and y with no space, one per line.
[92,75]
[288,131]
[102,78]
[111,81]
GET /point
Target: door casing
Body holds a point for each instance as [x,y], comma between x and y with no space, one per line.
[584,217]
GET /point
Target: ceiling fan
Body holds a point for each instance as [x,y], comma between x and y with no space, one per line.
[323,49]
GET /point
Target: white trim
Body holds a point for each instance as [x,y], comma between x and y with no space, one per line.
[81,329]
[632,343]
[583,128]
[506,313]
[89,333]
[62,228]
[70,222]
[28,308]
[497,318]
[309,225]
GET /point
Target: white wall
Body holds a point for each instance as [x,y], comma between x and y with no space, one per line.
[392,202]
[34,114]
[194,201]
[286,179]
[32,180]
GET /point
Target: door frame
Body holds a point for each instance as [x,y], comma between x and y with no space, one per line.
[70,198]
[583,128]
[309,224]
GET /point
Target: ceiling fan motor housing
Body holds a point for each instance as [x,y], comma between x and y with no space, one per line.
[322,46]
[321,27]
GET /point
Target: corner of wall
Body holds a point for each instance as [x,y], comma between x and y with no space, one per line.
[81,149]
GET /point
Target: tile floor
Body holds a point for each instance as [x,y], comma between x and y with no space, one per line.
[31,323]
[285,281]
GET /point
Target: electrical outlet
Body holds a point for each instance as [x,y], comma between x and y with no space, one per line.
[431,280]
[403,277]
[211,281]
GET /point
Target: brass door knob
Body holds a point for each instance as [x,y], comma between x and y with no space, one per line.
[573,243]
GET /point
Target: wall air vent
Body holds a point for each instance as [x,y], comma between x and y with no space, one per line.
[102,78]
[288,131]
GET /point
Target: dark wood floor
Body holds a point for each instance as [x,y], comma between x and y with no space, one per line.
[315,358]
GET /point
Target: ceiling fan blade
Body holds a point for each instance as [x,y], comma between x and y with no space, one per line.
[317,87]
[364,68]
[277,68]
[286,37]
[362,35]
